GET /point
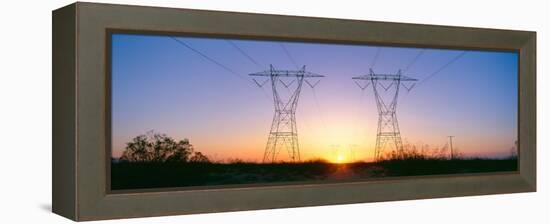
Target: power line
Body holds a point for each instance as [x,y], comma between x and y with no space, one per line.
[244,53]
[288,55]
[284,132]
[420,53]
[388,133]
[216,62]
[253,61]
[313,89]
[375,58]
[443,67]
[317,105]
[358,126]
[208,58]
[373,63]
[319,108]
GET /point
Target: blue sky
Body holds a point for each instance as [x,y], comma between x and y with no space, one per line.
[158,84]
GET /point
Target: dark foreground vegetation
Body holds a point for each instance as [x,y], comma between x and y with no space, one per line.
[157,161]
[136,175]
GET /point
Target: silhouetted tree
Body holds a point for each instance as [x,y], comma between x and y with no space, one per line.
[155,147]
[198,157]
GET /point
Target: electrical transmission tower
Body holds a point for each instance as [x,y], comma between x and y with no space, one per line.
[451,144]
[284,133]
[388,129]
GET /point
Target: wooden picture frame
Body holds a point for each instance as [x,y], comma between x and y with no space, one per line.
[81,134]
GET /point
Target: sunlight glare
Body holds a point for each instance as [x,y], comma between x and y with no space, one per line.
[340,159]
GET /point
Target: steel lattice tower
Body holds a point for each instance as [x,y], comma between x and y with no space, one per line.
[283,132]
[388,128]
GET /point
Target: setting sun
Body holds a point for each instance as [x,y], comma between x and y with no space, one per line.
[340,159]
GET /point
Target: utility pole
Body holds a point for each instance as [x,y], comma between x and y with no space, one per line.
[451,144]
[284,132]
[388,129]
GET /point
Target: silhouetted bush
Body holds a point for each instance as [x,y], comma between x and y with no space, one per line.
[198,157]
[155,147]
[423,152]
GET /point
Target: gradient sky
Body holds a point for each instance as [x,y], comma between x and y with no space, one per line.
[160,85]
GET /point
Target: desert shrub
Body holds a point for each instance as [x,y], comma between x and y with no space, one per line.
[422,152]
[316,160]
[155,147]
[198,157]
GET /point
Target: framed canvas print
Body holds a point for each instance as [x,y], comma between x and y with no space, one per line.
[161,111]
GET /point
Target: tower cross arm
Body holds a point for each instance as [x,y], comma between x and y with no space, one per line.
[287,73]
[391,77]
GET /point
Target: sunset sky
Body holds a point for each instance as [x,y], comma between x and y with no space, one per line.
[158,84]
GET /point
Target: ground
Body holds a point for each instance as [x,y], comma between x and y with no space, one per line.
[132,175]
